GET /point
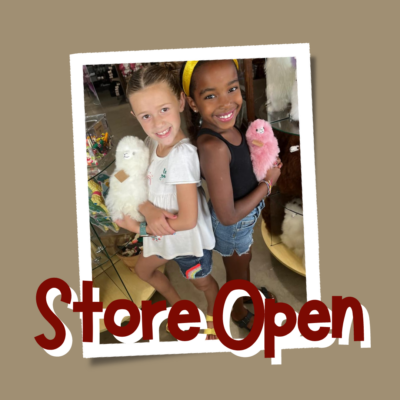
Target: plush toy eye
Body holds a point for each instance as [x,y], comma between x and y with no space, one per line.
[260,130]
[127,155]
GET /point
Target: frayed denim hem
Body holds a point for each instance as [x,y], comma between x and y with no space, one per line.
[239,254]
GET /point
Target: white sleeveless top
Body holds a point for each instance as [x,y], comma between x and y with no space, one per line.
[180,166]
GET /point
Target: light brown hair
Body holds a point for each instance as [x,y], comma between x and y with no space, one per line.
[164,72]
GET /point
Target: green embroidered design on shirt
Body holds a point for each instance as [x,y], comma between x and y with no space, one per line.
[164,174]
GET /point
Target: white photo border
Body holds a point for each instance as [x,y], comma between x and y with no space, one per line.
[302,54]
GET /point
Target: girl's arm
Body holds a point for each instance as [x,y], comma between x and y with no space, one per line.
[188,207]
[214,160]
[185,220]
[156,219]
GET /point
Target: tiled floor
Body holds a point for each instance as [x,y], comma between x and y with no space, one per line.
[265,269]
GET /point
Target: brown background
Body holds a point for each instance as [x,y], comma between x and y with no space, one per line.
[355,85]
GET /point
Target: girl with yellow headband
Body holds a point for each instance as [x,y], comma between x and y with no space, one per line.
[236,197]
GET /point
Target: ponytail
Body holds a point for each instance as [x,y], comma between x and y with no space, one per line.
[192,123]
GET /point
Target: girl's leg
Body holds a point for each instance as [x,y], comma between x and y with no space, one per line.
[238,267]
[209,286]
[146,269]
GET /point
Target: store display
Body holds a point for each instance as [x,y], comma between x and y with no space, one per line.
[281,85]
[96,148]
[294,110]
[128,184]
[289,183]
[110,245]
[286,197]
[274,211]
[128,69]
[116,89]
[281,75]
[99,214]
[97,197]
[98,140]
[132,247]
[263,147]
[292,228]
[89,89]
[290,180]
[111,72]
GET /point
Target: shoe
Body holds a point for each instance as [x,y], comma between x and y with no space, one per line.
[210,331]
[265,292]
[244,321]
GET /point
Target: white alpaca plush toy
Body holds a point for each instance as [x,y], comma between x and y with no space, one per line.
[128,183]
[292,227]
[281,74]
[294,111]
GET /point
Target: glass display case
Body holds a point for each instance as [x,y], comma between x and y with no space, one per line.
[92,101]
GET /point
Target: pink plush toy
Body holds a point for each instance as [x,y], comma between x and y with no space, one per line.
[263,147]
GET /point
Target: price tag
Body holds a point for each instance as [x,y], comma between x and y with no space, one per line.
[121,175]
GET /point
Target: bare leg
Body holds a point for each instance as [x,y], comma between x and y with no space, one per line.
[146,269]
[209,286]
[238,267]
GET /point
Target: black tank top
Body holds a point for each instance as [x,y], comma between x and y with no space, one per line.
[242,176]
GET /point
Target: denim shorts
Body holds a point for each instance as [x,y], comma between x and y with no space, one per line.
[237,237]
[193,267]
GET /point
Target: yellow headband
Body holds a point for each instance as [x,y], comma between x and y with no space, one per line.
[188,72]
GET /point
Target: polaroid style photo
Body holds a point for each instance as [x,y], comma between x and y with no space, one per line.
[274,82]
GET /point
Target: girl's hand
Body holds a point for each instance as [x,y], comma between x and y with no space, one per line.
[129,224]
[277,163]
[273,175]
[156,219]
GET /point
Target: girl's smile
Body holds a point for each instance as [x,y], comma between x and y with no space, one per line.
[164,134]
[226,117]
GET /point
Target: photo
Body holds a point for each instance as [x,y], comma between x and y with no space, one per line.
[195,179]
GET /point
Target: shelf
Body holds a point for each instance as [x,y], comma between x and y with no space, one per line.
[276,197]
[283,254]
[279,120]
[101,253]
[287,126]
[105,245]
[101,234]
[271,117]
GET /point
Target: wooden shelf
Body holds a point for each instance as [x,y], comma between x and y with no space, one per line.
[282,253]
